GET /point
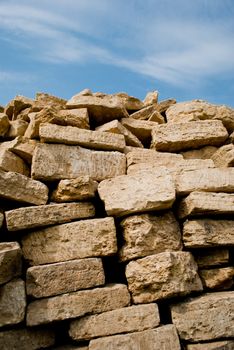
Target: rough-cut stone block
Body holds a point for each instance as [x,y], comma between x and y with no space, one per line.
[221,279]
[208,233]
[151,156]
[140,128]
[151,98]
[154,339]
[148,234]
[162,276]
[208,180]
[77,304]
[206,203]
[131,103]
[10,261]
[181,136]
[129,319]
[11,162]
[205,152]
[76,240]
[128,194]
[147,113]
[42,99]
[20,188]
[44,215]
[17,128]
[4,124]
[57,162]
[224,156]
[211,257]
[207,317]
[71,135]
[217,345]
[64,277]
[12,302]
[22,147]
[16,105]
[75,117]
[81,188]
[26,339]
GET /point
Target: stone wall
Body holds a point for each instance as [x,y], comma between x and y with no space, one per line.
[116,224]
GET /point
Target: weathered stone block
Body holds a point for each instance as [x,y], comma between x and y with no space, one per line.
[11,162]
[217,345]
[22,147]
[163,106]
[220,279]
[151,156]
[75,117]
[140,128]
[205,152]
[17,128]
[131,103]
[224,156]
[211,257]
[10,261]
[151,98]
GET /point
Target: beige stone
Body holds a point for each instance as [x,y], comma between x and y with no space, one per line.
[220,279]
[77,304]
[232,137]
[140,128]
[131,103]
[151,156]
[71,135]
[162,106]
[224,156]
[42,99]
[156,117]
[16,105]
[76,240]
[207,317]
[20,188]
[151,98]
[57,162]
[161,338]
[129,194]
[44,215]
[207,233]
[200,110]
[206,203]
[26,339]
[129,319]
[11,162]
[149,234]
[10,261]
[211,257]
[162,276]
[23,115]
[205,152]
[172,137]
[147,113]
[64,277]
[12,302]
[75,117]
[17,128]
[4,124]
[24,148]
[219,345]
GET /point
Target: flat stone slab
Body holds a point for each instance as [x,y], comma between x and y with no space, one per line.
[44,215]
[11,162]
[205,152]
[70,135]
[164,337]
[20,188]
[206,203]
[203,233]
[10,261]
[76,240]
[207,317]
[217,345]
[217,279]
[148,234]
[162,276]
[129,194]
[128,319]
[68,277]
[56,162]
[172,137]
[151,156]
[224,156]
[77,304]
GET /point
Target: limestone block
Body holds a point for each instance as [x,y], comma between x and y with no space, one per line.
[131,103]
[11,162]
[162,106]
[162,276]
[71,135]
[42,99]
[26,339]
[17,128]
[147,113]
[10,261]
[207,317]
[204,203]
[129,194]
[217,345]
[205,152]
[140,128]
[211,257]
[164,337]
[149,234]
[4,124]
[156,117]
[77,304]
[151,98]
[20,188]
[64,277]
[75,117]
[181,136]
[208,233]
[220,279]
[76,240]
[21,146]
[151,156]
[128,319]
[16,105]
[12,302]
[224,156]
[57,162]
[44,215]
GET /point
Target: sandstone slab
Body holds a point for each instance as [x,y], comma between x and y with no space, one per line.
[149,234]
[217,345]
[224,156]
[75,117]
[140,128]
[147,113]
[205,152]
[207,317]
[76,240]
[77,304]
[151,156]
[217,279]
[11,162]
[211,257]
[162,276]
[22,147]
[64,277]
[44,215]
[131,103]
[57,162]
[10,261]
[128,319]
[4,124]
[43,99]
[181,136]
[128,194]
[154,339]
[20,188]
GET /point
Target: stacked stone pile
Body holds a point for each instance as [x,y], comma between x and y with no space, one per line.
[116,224]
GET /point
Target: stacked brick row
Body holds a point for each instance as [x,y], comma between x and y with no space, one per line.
[116,224]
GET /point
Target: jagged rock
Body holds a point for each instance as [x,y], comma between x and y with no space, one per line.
[219,345]
[151,156]
[156,117]
[140,128]
[162,276]
[11,162]
[77,304]
[42,99]
[15,106]
[4,124]
[10,261]
[17,128]
[211,257]
[131,103]
[151,98]
[207,317]
[147,113]
[224,156]
[162,106]
[181,136]
[75,117]
[221,278]
[22,147]
[205,152]
[128,319]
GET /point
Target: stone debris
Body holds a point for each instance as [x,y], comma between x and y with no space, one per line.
[148,113]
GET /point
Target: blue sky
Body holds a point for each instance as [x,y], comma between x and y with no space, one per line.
[182,48]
